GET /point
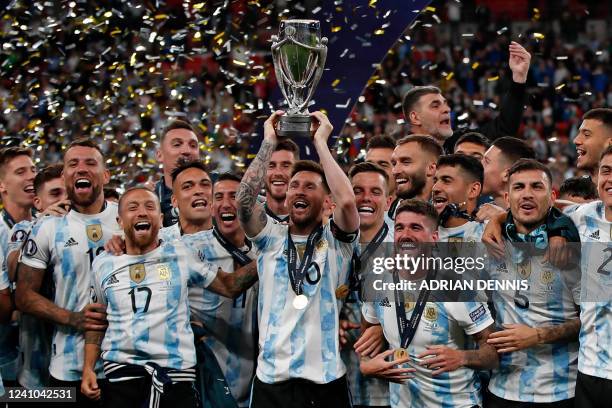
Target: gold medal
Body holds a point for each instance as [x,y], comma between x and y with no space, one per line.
[400,353]
[342,292]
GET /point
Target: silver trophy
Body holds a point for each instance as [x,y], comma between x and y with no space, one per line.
[299,54]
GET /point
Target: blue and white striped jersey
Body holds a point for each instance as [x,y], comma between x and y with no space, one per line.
[34,338]
[544,373]
[4,284]
[471,231]
[69,244]
[8,345]
[365,391]
[595,357]
[19,233]
[299,343]
[446,324]
[229,322]
[147,305]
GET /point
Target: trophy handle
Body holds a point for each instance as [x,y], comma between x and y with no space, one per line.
[322,56]
[280,76]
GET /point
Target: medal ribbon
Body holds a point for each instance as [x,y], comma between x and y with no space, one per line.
[358,261]
[297,274]
[239,256]
[407,328]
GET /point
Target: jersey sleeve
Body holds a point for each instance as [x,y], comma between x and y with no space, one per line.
[19,234]
[369,313]
[98,267]
[272,230]
[36,252]
[201,273]
[473,317]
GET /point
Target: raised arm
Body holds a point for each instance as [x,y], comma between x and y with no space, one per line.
[29,300]
[507,122]
[345,213]
[251,214]
[233,284]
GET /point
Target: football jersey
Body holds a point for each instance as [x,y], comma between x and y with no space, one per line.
[595,357]
[228,322]
[34,334]
[471,231]
[4,284]
[147,305]
[445,324]
[70,244]
[8,335]
[300,343]
[547,372]
[365,390]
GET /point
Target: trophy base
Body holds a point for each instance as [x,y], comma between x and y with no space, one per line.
[294,126]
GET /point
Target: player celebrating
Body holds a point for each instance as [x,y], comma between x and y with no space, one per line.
[69,245]
[224,327]
[17,173]
[371,189]
[457,185]
[594,135]
[301,265]
[429,336]
[379,150]
[145,291]
[414,165]
[427,111]
[594,222]
[286,153]
[179,141]
[538,326]
[34,335]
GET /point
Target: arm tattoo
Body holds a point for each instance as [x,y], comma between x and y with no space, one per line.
[485,357]
[245,277]
[567,331]
[94,337]
[251,184]
[30,301]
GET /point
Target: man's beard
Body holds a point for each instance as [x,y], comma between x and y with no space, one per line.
[87,201]
[416,187]
[141,243]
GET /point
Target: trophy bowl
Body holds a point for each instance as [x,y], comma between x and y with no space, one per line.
[298,54]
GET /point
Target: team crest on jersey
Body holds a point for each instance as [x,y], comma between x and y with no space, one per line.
[431,313]
[455,239]
[137,272]
[547,277]
[524,269]
[164,272]
[94,232]
[322,245]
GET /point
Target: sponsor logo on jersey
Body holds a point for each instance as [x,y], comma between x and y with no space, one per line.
[71,242]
